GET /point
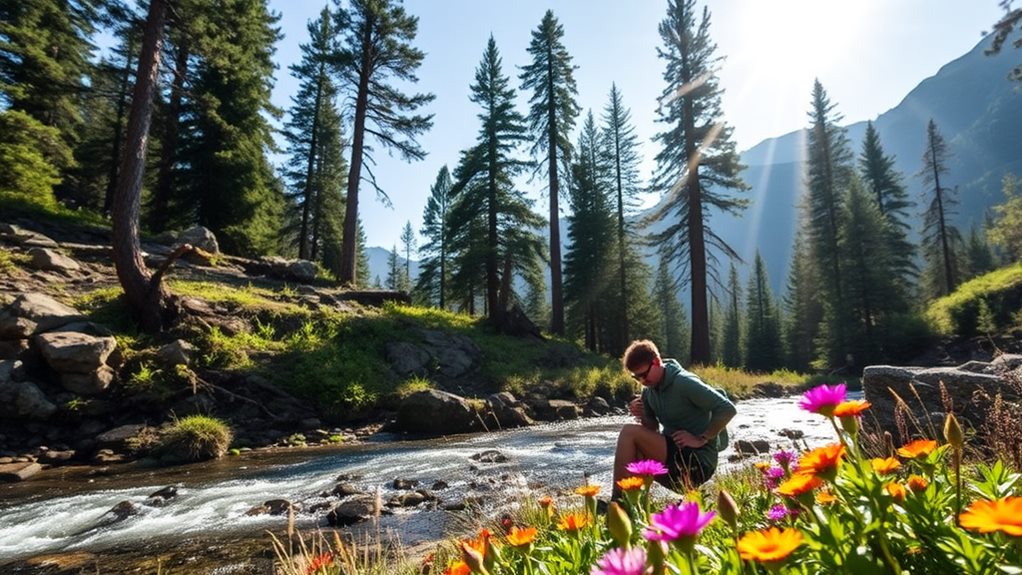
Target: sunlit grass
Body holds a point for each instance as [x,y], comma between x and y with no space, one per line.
[981,305]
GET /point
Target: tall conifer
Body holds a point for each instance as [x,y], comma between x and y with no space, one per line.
[435,251]
[763,349]
[941,239]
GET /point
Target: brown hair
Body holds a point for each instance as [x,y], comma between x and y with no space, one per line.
[639,353]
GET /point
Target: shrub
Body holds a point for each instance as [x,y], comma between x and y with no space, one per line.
[987,302]
[196,438]
[31,156]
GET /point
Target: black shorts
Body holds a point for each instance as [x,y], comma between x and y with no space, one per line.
[684,470]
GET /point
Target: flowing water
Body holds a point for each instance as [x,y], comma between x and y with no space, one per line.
[67,510]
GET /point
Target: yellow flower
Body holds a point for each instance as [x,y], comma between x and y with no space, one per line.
[587,490]
[825,498]
[917,448]
[896,491]
[917,483]
[885,466]
[821,461]
[1004,515]
[573,522]
[630,483]
[770,545]
[799,484]
[851,408]
[762,466]
[521,537]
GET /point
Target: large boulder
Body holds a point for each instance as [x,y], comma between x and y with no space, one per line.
[970,389]
[199,237]
[504,411]
[435,412]
[52,260]
[14,234]
[34,313]
[22,399]
[75,351]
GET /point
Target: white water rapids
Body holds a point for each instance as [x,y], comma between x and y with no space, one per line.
[59,512]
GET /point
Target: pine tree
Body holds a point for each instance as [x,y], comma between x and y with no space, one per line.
[434,253]
[673,340]
[302,131]
[408,245]
[829,169]
[872,290]
[763,350]
[731,346]
[803,306]
[229,178]
[169,205]
[590,229]
[330,171]
[552,114]
[1005,231]
[621,148]
[940,239]
[979,257]
[492,225]
[395,271]
[884,183]
[1009,24]
[377,49]
[697,163]
[363,259]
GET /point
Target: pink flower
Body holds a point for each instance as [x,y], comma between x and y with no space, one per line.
[777,513]
[621,562]
[773,477]
[823,399]
[647,467]
[784,458]
[675,522]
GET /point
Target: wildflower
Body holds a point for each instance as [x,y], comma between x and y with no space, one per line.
[777,512]
[587,490]
[727,508]
[621,562]
[769,546]
[953,432]
[762,466]
[885,466]
[472,557]
[649,467]
[546,503]
[319,562]
[773,477]
[784,458]
[521,537]
[917,448]
[457,568]
[823,399]
[1004,515]
[895,490]
[675,522]
[825,498]
[798,485]
[917,483]
[630,483]
[822,461]
[853,408]
[573,522]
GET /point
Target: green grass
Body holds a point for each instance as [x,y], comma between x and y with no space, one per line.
[740,383]
[10,261]
[195,438]
[19,205]
[984,304]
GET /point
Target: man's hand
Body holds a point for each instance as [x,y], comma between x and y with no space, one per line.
[685,439]
[636,408]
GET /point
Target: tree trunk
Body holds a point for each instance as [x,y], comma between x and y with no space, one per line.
[349,257]
[148,300]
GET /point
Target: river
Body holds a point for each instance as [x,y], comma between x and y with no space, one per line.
[57,512]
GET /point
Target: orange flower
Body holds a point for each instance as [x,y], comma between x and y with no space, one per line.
[917,448]
[319,562]
[769,546]
[885,466]
[851,408]
[573,522]
[521,537]
[545,501]
[477,545]
[630,483]
[821,461]
[457,568]
[587,490]
[799,484]
[1004,515]
[825,498]
[896,491]
[917,483]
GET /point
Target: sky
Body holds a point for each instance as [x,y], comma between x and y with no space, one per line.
[868,54]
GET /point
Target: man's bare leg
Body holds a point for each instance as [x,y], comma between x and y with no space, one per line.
[636,442]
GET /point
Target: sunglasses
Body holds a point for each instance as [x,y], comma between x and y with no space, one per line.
[642,375]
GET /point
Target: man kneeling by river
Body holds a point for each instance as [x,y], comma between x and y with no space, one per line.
[691,413]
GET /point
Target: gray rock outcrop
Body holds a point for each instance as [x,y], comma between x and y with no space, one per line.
[34,313]
[199,237]
[51,260]
[22,399]
[435,412]
[79,357]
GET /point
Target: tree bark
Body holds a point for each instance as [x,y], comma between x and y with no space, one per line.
[349,255]
[147,299]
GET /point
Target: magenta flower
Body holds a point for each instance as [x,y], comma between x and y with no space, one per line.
[777,513]
[784,458]
[647,467]
[823,399]
[675,522]
[621,562]
[773,477]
